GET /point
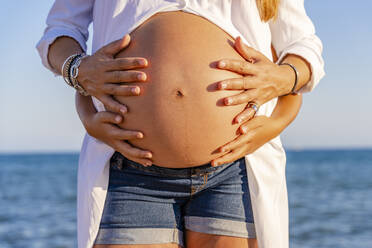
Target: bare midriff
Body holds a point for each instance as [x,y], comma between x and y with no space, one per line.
[180,111]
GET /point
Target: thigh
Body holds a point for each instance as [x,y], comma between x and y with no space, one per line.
[140,209]
[222,208]
[196,240]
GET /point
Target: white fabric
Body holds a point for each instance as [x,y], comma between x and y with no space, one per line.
[293,32]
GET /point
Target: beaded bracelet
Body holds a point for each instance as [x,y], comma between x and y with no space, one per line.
[296,76]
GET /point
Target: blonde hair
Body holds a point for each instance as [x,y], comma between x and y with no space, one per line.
[268,9]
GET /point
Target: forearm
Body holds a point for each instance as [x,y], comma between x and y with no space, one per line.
[286,110]
[84,107]
[60,49]
[303,69]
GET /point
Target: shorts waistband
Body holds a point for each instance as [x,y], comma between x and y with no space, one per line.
[121,160]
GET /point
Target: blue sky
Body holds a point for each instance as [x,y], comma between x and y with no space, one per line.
[38,112]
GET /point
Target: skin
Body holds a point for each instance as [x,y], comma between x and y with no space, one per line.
[100,74]
[65,46]
[261,77]
[261,129]
[173,124]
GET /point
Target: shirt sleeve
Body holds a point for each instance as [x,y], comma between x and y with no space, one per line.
[66,18]
[294,33]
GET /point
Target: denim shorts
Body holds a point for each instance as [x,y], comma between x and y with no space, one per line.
[154,205]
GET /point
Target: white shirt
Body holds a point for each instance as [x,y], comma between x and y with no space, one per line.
[293,32]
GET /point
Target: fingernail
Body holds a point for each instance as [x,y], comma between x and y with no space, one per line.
[123,110]
[141,76]
[223,149]
[148,155]
[135,90]
[244,129]
[139,135]
[118,118]
[142,62]
[239,120]
[221,64]
[215,163]
[228,101]
[223,85]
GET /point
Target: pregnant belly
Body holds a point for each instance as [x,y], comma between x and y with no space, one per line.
[180,111]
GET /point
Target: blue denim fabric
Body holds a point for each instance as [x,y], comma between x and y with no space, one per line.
[152,205]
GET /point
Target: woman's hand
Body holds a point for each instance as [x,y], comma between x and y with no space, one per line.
[263,80]
[103,126]
[259,130]
[101,74]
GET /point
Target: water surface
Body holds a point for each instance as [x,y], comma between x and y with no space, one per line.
[330,198]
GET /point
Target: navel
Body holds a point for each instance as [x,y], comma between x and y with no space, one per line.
[179,93]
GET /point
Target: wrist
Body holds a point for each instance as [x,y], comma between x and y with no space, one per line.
[74,74]
[278,124]
[289,79]
[70,71]
[65,68]
[62,47]
[85,109]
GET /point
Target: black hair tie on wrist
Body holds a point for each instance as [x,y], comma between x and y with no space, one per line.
[296,77]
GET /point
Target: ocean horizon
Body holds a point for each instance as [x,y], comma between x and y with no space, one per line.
[287,149]
[329,193]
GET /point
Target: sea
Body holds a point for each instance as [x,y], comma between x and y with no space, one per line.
[329,192]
